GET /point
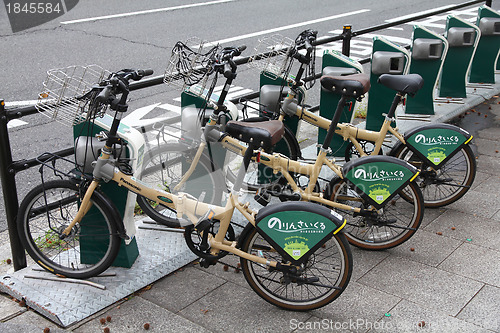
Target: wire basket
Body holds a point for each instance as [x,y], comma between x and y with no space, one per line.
[190,65]
[271,55]
[65,97]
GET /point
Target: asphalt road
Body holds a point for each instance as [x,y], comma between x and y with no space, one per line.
[142,39]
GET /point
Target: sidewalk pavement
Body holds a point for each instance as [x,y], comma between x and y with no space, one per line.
[444,279]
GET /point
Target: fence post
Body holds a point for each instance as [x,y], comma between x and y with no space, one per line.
[8,177]
[488,3]
[346,40]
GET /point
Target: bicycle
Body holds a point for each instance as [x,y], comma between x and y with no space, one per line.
[383,214]
[440,151]
[293,255]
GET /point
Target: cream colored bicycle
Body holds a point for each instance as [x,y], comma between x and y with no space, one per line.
[294,255]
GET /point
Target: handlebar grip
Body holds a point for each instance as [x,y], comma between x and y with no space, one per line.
[145,72]
[241,49]
[103,96]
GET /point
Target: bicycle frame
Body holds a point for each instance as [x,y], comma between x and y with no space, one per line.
[346,130]
[282,164]
[182,203]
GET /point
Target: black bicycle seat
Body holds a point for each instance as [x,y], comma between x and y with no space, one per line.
[354,85]
[263,134]
[405,84]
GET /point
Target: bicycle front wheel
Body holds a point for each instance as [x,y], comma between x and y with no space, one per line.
[90,247]
[446,185]
[320,280]
[164,167]
[387,227]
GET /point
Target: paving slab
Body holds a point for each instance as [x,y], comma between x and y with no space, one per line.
[487,147]
[230,274]
[482,310]
[364,261]
[490,133]
[477,203]
[9,308]
[358,303]
[427,248]
[407,316]
[468,228]
[430,214]
[422,284]
[483,175]
[475,262]
[29,322]
[488,164]
[490,185]
[193,283]
[231,308]
[133,314]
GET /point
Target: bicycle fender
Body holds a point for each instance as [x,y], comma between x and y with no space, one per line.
[297,229]
[377,179]
[436,143]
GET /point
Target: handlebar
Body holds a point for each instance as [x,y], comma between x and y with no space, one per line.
[304,40]
[225,63]
[117,83]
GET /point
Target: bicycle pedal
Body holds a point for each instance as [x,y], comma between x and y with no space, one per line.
[262,197]
[205,263]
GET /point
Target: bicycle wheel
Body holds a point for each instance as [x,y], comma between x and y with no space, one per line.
[387,227]
[164,167]
[331,263]
[258,175]
[91,246]
[449,183]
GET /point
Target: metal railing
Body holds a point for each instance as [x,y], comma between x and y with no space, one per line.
[9,168]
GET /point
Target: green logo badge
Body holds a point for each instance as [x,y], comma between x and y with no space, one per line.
[379,180]
[296,232]
[436,144]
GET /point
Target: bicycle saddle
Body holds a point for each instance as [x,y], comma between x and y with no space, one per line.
[406,84]
[354,85]
[263,134]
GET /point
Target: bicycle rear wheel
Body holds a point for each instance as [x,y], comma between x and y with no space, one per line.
[447,184]
[331,264]
[164,167]
[91,246]
[389,226]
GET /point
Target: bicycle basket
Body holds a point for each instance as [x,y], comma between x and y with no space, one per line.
[190,65]
[271,56]
[65,97]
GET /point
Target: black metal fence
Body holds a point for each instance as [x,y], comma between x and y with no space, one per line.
[9,168]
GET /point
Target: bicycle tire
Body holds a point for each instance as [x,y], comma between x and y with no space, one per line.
[87,251]
[252,181]
[163,167]
[460,168]
[384,232]
[293,296]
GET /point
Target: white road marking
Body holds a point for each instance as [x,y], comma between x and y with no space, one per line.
[21,103]
[134,119]
[16,123]
[291,26]
[168,9]
[417,14]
